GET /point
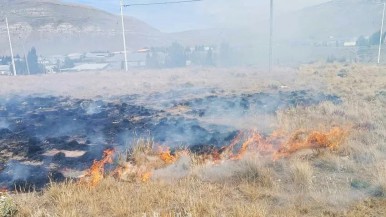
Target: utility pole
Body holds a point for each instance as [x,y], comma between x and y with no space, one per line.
[270,36]
[124,37]
[381,33]
[26,60]
[10,46]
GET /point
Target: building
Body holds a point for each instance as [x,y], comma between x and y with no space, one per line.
[76,57]
[350,43]
[88,67]
[137,59]
[97,56]
[5,70]
[53,59]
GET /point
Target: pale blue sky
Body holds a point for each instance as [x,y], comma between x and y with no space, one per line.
[206,14]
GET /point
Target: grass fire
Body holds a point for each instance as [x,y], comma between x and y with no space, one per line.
[254,145]
[207,142]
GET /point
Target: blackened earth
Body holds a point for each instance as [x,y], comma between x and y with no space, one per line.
[32,126]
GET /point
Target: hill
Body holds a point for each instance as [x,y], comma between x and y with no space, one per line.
[56,27]
[341,19]
[338,18]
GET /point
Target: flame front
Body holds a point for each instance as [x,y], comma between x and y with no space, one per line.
[314,140]
[95,174]
[277,145]
[164,154]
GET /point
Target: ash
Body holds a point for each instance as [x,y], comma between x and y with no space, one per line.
[45,138]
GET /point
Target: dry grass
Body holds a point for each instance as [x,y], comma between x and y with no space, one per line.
[301,175]
[349,181]
[187,196]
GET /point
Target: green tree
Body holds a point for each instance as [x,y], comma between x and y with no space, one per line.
[374,38]
[20,65]
[209,58]
[68,63]
[362,41]
[226,55]
[152,59]
[177,56]
[33,64]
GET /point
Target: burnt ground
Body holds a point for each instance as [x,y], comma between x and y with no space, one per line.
[43,136]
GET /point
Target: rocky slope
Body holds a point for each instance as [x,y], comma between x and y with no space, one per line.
[57,27]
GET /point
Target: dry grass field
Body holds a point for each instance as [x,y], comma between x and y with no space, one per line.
[347,180]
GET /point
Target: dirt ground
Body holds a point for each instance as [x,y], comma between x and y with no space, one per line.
[110,83]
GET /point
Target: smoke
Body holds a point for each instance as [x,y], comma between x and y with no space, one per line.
[3,123]
[15,171]
[177,170]
[248,13]
[206,14]
[91,107]
[220,172]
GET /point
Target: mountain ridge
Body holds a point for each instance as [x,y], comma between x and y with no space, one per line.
[57,27]
[66,27]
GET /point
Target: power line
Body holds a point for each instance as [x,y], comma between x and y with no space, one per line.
[161,3]
[145,4]
[124,38]
[10,47]
[270,35]
[381,33]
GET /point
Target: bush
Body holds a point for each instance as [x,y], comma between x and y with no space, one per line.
[7,206]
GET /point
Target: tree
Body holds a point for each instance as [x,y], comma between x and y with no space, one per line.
[209,58]
[225,55]
[33,64]
[5,60]
[152,59]
[374,38]
[20,65]
[68,63]
[177,56]
[362,41]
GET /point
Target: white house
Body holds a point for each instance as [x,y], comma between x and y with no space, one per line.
[5,70]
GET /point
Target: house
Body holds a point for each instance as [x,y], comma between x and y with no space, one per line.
[88,67]
[143,50]
[50,69]
[54,59]
[97,56]
[137,59]
[76,56]
[5,70]
[350,42]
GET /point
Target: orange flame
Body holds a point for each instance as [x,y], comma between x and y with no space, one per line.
[166,156]
[314,140]
[96,172]
[276,145]
[146,176]
[3,190]
[250,141]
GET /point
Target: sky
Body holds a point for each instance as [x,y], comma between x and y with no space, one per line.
[200,15]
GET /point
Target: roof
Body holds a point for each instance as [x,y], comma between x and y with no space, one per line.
[97,54]
[350,43]
[75,55]
[90,66]
[4,68]
[143,50]
[136,57]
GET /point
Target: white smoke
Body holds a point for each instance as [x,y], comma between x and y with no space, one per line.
[3,124]
[175,171]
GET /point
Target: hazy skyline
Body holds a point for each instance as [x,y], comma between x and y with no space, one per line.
[199,15]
